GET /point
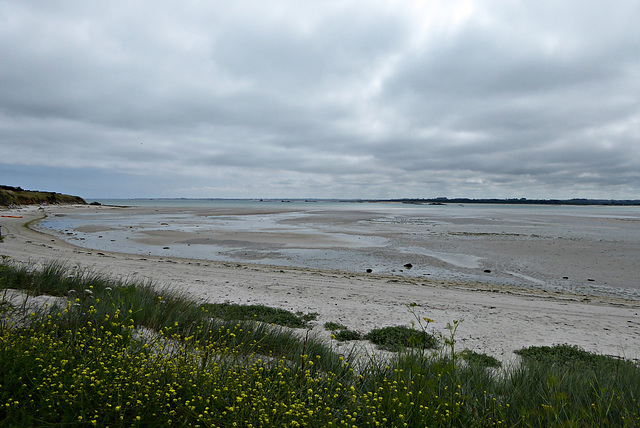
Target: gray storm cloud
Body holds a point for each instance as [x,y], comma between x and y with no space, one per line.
[330,99]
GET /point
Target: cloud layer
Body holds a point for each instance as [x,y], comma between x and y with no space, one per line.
[321,99]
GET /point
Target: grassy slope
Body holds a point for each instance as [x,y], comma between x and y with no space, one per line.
[82,364]
[17,196]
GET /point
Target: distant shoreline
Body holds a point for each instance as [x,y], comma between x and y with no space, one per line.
[514,201]
[413,201]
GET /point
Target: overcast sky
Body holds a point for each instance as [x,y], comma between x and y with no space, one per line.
[328,99]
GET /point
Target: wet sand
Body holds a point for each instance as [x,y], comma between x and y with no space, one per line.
[592,250]
[498,318]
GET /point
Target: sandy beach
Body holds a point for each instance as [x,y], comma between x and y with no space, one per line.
[497,319]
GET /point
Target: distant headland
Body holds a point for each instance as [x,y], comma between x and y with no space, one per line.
[10,195]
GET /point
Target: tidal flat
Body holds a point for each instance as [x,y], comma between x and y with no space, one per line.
[592,250]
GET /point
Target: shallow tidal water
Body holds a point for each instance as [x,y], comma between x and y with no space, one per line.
[582,249]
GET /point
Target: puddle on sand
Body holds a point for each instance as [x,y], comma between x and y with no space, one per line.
[456,259]
[527,278]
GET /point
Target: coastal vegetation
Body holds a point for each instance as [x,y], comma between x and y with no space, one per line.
[259,313]
[10,196]
[81,349]
[341,333]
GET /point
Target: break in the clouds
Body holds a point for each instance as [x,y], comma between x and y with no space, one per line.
[345,99]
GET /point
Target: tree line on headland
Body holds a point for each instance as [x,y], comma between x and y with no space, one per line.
[513,201]
[10,195]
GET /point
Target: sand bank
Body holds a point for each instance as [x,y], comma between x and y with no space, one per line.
[496,319]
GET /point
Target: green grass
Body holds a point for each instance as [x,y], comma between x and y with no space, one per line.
[478,359]
[85,363]
[569,356]
[345,335]
[261,313]
[333,326]
[157,309]
[396,338]
[16,196]
[341,333]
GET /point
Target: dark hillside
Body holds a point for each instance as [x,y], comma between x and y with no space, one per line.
[17,196]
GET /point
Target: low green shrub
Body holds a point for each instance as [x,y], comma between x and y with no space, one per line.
[568,355]
[399,337]
[481,360]
[341,332]
[344,335]
[233,311]
[333,326]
